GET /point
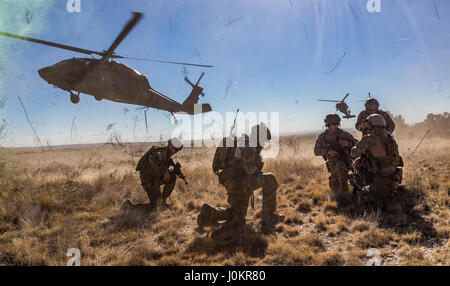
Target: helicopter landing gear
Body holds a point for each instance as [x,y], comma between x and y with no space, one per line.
[74,98]
[98,98]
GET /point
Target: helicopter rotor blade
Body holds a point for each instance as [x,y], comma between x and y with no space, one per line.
[188,81]
[160,61]
[127,29]
[52,44]
[328,100]
[198,81]
[345,97]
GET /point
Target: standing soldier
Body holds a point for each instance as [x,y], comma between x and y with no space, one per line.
[154,171]
[334,146]
[372,106]
[240,171]
[384,160]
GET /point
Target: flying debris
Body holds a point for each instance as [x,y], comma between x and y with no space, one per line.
[336,65]
[232,21]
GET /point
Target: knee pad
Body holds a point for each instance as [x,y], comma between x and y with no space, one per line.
[270,180]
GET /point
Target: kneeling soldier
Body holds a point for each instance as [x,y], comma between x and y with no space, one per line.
[154,171]
[384,160]
[334,146]
[240,171]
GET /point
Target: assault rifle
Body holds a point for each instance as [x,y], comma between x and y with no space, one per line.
[177,170]
[342,152]
[356,179]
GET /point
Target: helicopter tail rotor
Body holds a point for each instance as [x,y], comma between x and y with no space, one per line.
[195,87]
[189,105]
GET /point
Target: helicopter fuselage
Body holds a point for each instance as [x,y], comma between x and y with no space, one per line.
[108,80]
[342,107]
[102,79]
[116,82]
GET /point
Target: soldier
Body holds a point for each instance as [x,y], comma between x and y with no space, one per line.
[372,106]
[384,160]
[240,171]
[154,171]
[334,146]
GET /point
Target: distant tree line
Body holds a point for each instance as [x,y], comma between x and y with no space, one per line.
[439,124]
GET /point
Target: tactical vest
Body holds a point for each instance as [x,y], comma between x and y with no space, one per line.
[250,159]
[143,162]
[392,157]
[224,156]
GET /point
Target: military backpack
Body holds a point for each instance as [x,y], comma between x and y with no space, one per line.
[142,164]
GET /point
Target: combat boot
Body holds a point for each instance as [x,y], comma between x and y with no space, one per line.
[205,218]
[269,221]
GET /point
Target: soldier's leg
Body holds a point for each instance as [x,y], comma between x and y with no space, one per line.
[342,175]
[152,188]
[383,186]
[339,190]
[269,185]
[168,187]
[333,180]
[381,191]
[269,193]
[238,197]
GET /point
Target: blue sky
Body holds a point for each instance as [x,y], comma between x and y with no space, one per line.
[275,56]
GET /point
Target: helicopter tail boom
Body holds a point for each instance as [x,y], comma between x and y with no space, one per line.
[195,108]
[189,106]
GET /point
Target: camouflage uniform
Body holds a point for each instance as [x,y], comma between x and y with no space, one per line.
[390,125]
[152,167]
[240,172]
[338,166]
[383,157]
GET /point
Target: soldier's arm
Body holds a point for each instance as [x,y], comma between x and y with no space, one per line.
[249,160]
[351,140]
[248,153]
[215,163]
[361,147]
[359,121]
[319,147]
[390,125]
[158,164]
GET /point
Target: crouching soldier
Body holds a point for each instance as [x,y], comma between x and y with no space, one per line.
[154,171]
[238,164]
[384,161]
[334,145]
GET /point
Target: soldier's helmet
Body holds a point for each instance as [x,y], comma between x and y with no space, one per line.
[259,135]
[372,103]
[332,118]
[175,143]
[376,120]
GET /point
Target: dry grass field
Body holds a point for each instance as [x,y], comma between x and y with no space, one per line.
[70,197]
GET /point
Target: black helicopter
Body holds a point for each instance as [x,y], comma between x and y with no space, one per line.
[341,106]
[106,79]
